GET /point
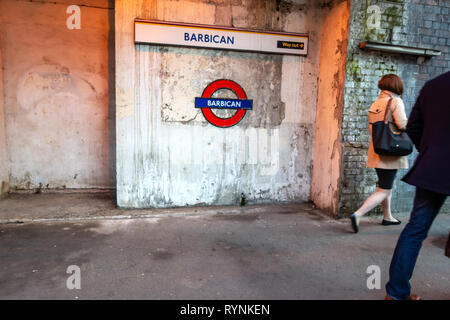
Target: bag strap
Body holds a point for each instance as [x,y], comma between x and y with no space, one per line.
[388,108]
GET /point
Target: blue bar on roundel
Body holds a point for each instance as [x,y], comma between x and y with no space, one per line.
[223,103]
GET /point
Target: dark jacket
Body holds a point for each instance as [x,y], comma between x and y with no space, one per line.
[429,128]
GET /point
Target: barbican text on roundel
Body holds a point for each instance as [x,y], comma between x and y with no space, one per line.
[208,38]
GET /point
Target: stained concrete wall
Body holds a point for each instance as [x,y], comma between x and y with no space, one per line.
[168,155]
[4,170]
[56,93]
[327,156]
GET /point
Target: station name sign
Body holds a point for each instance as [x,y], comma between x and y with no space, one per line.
[214,37]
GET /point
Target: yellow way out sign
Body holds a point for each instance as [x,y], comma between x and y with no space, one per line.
[214,37]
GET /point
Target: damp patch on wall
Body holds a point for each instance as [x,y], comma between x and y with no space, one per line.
[186,72]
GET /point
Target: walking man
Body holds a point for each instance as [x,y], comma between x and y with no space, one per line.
[429,129]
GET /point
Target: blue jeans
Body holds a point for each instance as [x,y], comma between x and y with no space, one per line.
[426,207]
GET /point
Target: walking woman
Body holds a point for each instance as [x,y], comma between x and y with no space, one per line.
[386,167]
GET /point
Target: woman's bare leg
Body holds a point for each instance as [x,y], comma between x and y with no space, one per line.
[372,201]
[386,205]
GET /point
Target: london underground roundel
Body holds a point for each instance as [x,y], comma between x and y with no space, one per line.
[206,103]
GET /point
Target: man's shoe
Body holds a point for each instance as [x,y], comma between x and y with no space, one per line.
[390,223]
[411,297]
[354,224]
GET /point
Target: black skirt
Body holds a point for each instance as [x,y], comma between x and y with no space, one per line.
[386,178]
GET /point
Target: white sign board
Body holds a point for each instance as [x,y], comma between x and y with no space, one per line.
[203,36]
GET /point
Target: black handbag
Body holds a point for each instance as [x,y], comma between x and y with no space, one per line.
[388,143]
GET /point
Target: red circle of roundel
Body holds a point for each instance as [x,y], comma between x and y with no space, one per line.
[210,116]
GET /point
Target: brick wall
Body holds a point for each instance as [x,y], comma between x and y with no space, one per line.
[416,23]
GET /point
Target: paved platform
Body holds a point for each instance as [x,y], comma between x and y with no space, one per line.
[254,252]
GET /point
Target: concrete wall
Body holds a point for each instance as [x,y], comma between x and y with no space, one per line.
[56,93]
[4,170]
[327,156]
[414,23]
[168,155]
